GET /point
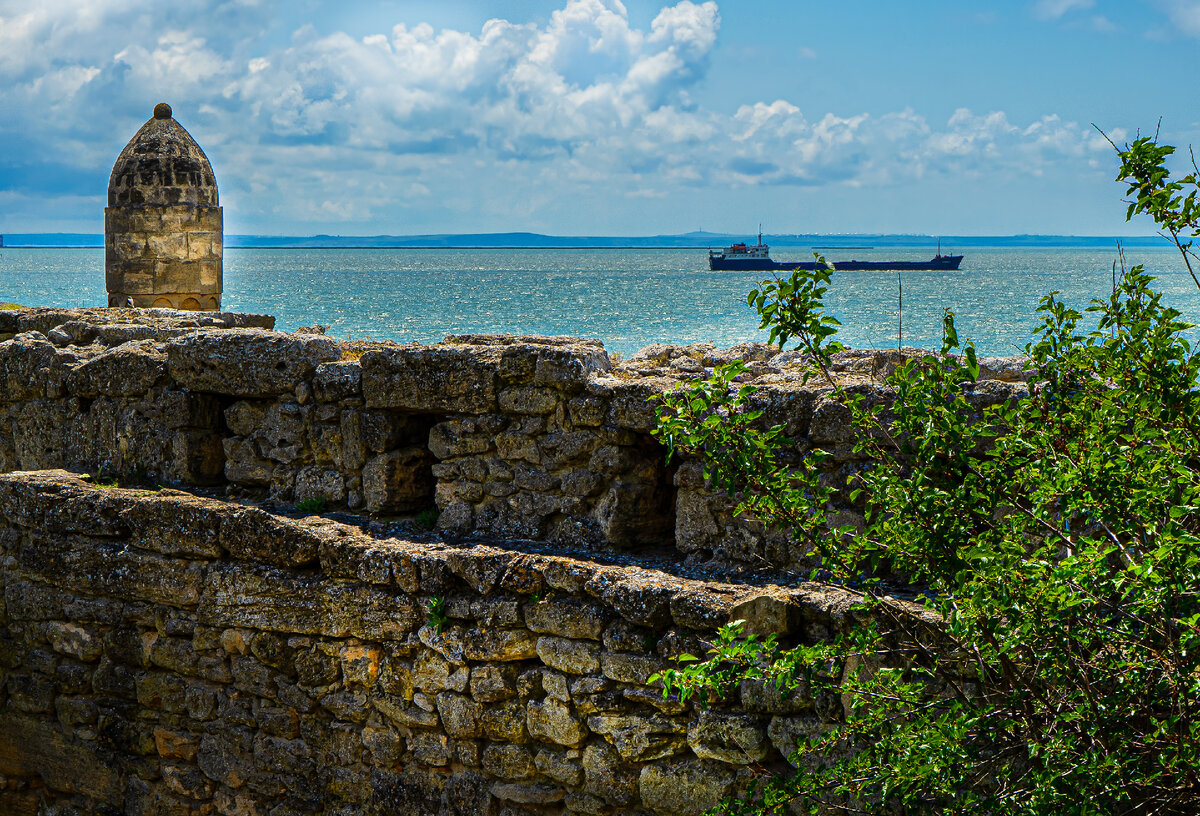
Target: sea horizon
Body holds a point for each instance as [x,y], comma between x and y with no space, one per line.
[627,298]
[534,240]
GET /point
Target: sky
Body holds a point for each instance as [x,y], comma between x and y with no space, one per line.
[593,117]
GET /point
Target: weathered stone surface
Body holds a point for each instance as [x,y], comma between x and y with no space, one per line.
[277,601]
[460,715]
[527,794]
[571,656]
[788,733]
[177,525]
[505,722]
[629,668]
[736,739]
[129,369]
[399,481]
[111,570]
[553,721]
[642,599]
[248,362]
[684,789]
[507,761]
[767,613]
[607,777]
[226,656]
[566,619]
[255,535]
[430,378]
[641,738]
[333,382]
[499,644]
[34,749]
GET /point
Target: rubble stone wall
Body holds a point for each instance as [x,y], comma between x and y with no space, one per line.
[164,653]
[514,437]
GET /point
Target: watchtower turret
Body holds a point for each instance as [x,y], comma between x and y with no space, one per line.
[163,233]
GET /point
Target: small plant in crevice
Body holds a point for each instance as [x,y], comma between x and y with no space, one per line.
[100,479]
[427,518]
[436,613]
[316,504]
[649,643]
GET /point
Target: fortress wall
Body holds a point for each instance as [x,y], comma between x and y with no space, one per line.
[163,653]
[513,437]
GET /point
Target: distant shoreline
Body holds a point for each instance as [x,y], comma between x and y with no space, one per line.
[526,241]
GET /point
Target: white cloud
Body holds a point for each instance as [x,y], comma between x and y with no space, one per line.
[513,120]
[1053,9]
[1184,15]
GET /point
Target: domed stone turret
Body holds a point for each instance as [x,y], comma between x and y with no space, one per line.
[163,238]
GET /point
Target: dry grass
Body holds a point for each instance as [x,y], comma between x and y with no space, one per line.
[353,349]
[9,306]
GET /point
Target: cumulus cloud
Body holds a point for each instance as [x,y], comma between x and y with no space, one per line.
[1184,15]
[1053,9]
[509,121]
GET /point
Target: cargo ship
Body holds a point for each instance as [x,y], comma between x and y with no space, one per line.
[757,257]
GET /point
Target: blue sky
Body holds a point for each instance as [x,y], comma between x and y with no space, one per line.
[593,117]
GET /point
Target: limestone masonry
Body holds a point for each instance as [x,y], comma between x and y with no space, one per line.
[210,649]
[163,225]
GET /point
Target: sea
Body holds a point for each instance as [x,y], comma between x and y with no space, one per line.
[628,298]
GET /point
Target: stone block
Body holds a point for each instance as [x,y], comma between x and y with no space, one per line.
[788,732]
[109,569]
[507,761]
[181,526]
[432,379]
[732,738]
[571,656]
[640,598]
[766,613]
[460,715]
[266,598]
[554,721]
[248,362]
[499,645]
[455,438]
[607,776]
[505,722]
[701,607]
[641,737]
[631,402]
[528,400]
[492,683]
[32,749]
[320,483]
[686,788]
[127,370]
[333,382]
[399,481]
[255,535]
[567,618]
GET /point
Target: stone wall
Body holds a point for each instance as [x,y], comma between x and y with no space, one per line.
[166,653]
[513,437]
[164,256]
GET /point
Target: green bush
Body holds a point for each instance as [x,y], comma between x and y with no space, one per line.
[1055,537]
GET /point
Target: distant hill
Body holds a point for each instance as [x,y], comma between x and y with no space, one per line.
[537,240]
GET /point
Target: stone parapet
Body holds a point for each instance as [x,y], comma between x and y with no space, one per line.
[163,652]
[515,437]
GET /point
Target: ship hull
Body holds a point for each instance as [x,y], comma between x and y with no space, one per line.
[941,262]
